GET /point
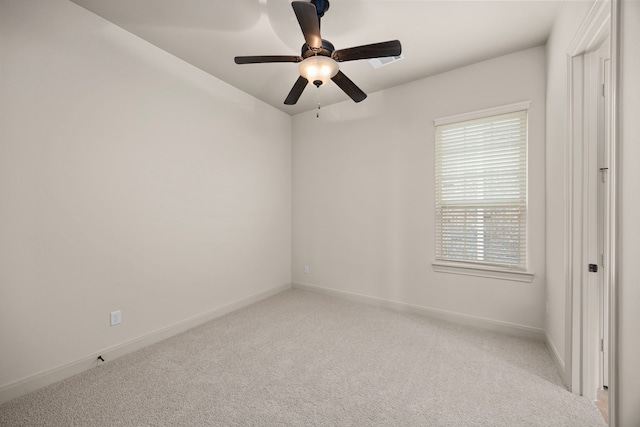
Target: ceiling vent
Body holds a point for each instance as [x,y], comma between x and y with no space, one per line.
[381,62]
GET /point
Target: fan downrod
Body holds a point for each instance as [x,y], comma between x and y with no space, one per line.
[321,6]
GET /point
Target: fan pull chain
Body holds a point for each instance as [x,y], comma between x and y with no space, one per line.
[318,99]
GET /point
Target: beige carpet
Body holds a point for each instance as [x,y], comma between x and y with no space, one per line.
[301,358]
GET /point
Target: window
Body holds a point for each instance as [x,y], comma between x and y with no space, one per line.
[481,189]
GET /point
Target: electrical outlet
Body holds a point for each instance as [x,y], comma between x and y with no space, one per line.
[547,308]
[306,269]
[116,317]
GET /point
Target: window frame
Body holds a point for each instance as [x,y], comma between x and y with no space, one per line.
[478,268]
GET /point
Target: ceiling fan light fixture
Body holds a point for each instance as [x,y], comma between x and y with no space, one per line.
[318,69]
[318,61]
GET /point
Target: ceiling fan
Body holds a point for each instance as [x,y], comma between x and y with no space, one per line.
[319,59]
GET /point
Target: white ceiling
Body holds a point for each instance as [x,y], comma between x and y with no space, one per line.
[436,36]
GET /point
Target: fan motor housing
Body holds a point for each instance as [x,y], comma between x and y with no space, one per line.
[326,49]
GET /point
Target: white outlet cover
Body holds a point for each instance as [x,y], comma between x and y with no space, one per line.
[116,318]
[306,269]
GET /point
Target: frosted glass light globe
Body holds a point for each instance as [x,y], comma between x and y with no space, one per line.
[318,69]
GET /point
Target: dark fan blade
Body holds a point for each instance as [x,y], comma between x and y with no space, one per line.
[349,87]
[268,58]
[296,91]
[309,22]
[376,50]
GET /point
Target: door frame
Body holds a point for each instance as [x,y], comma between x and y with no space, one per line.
[602,21]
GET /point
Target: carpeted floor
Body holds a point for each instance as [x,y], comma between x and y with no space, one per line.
[301,358]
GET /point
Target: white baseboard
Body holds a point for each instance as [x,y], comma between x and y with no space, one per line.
[459,318]
[42,379]
[557,360]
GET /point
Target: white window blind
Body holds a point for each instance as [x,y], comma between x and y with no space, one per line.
[481,190]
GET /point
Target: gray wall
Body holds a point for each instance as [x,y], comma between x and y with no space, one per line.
[363,193]
[128,180]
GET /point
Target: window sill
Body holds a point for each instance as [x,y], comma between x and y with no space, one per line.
[482,271]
